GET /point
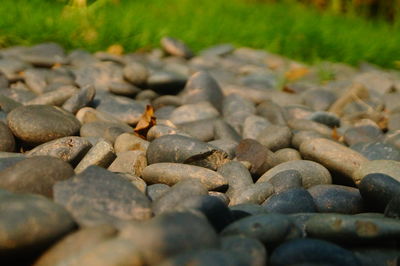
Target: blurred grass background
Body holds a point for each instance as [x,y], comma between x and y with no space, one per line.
[306,30]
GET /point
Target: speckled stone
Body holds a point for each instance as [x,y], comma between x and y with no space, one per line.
[377,150]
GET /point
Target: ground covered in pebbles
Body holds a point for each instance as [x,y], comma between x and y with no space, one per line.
[174,158]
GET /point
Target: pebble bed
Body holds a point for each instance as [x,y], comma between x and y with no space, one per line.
[166,157]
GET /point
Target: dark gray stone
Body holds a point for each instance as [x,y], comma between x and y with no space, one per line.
[251,251]
[365,133]
[377,150]
[200,129]
[243,210]
[222,130]
[293,200]
[275,137]
[254,193]
[106,130]
[393,208]
[80,99]
[7,141]
[155,191]
[136,73]
[318,99]
[237,175]
[326,118]
[207,257]
[286,180]
[101,154]
[272,112]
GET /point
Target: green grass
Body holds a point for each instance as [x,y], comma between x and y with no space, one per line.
[292,30]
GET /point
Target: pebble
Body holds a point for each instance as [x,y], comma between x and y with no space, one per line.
[175,47]
[222,130]
[254,193]
[312,173]
[388,167]
[132,162]
[238,177]
[244,210]
[253,126]
[136,73]
[201,129]
[8,161]
[334,156]
[337,199]
[155,191]
[97,196]
[274,113]
[378,189]
[319,99]
[211,257]
[252,252]
[377,150]
[270,229]
[193,112]
[30,224]
[285,180]
[55,97]
[287,154]
[38,124]
[80,99]
[101,154]
[35,175]
[7,103]
[7,141]
[275,137]
[129,142]
[304,124]
[392,210]
[181,149]
[228,146]
[312,252]
[68,149]
[361,134]
[303,135]
[326,118]
[172,173]
[236,109]
[294,200]
[106,130]
[136,181]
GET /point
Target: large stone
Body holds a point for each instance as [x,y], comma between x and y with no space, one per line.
[41,123]
[387,167]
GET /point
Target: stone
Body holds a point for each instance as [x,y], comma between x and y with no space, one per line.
[254,193]
[106,130]
[74,245]
[175,47]
[97,196]
[235,110]
[304,124]
[326,118]
[312,173]
[253,126]
[393,121]
[136,73]
[172,173]
[337,199]
[55,97]
[303,135]
[30,224]
[318,99]
[274,113]
[136,181]
[167,100]
[294,200]
[101,154]
[87,115]
[170,234]
[377,150]
[388,167]
[132,162]
[352,229]
[68,149]
[201,86]
[270,229]
[216,211]
[211,257]
[35,175]
[80,99]
[7,161]
[37,124]
[252,252]
[334,156]
[155,191]
[200,129]
[181,149]
[286,180]
[275,137]
[237,175]
[259,156]
[124,89]
[362,133]
[312,252]
[371,256]
[166,82]
[161,130]
[392,209]
[244,210]
[7,141]
[193,112]
[130,142]
[287,154]
[222,130]
[44,55]
[218,50]
[8,104]
[228,146]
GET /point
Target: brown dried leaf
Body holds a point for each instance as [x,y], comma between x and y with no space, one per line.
[288,90]
[147,120]
[296,73]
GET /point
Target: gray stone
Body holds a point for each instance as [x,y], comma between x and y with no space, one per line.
[41,123]
[107,130]
[210,257]
[294,200]
[254,193]
[136,73]
[285,180]
[80,99]
[318,99]
[130,142]
[200,129]
[251,251]
[326,118]
[253,126]
[7,141]
[222,130]
[193,112]
[68,149]
[272,112]
[97,196]
[55,97]
[388,167]
[377,150]
[304,124]
[35,175]
[8,104]
[155,191]
[175,47]
[228,146]
[287,154]
[275,137]
[132,162]
[101,154]
[235,110]
[237,175]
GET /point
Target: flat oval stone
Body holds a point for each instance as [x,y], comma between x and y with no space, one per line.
[70,248]
[136,73]
[377,150]
[312,173]
[275,137]
[97,196]
[337,199]
[55,97]
[170,234]
[349,228]
[287,154]
[68,149]
[388,167]
[200,129]
[253,126]
[285,180]
[222,130]
[312,252]
[80,99]
[252,251]
[130,142]
[193,112]
[362,133]
[254,193]
[41,123]
[378,189]
[326,118]
[273,112]
[270,229]
[7,141]
[155,191]
[201,86]
[304,124]
[172,173]
[30,224]
[293,200]
[181,149]
[302,136]
[334,156]
[35,175]
[107,130]
[319,99]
